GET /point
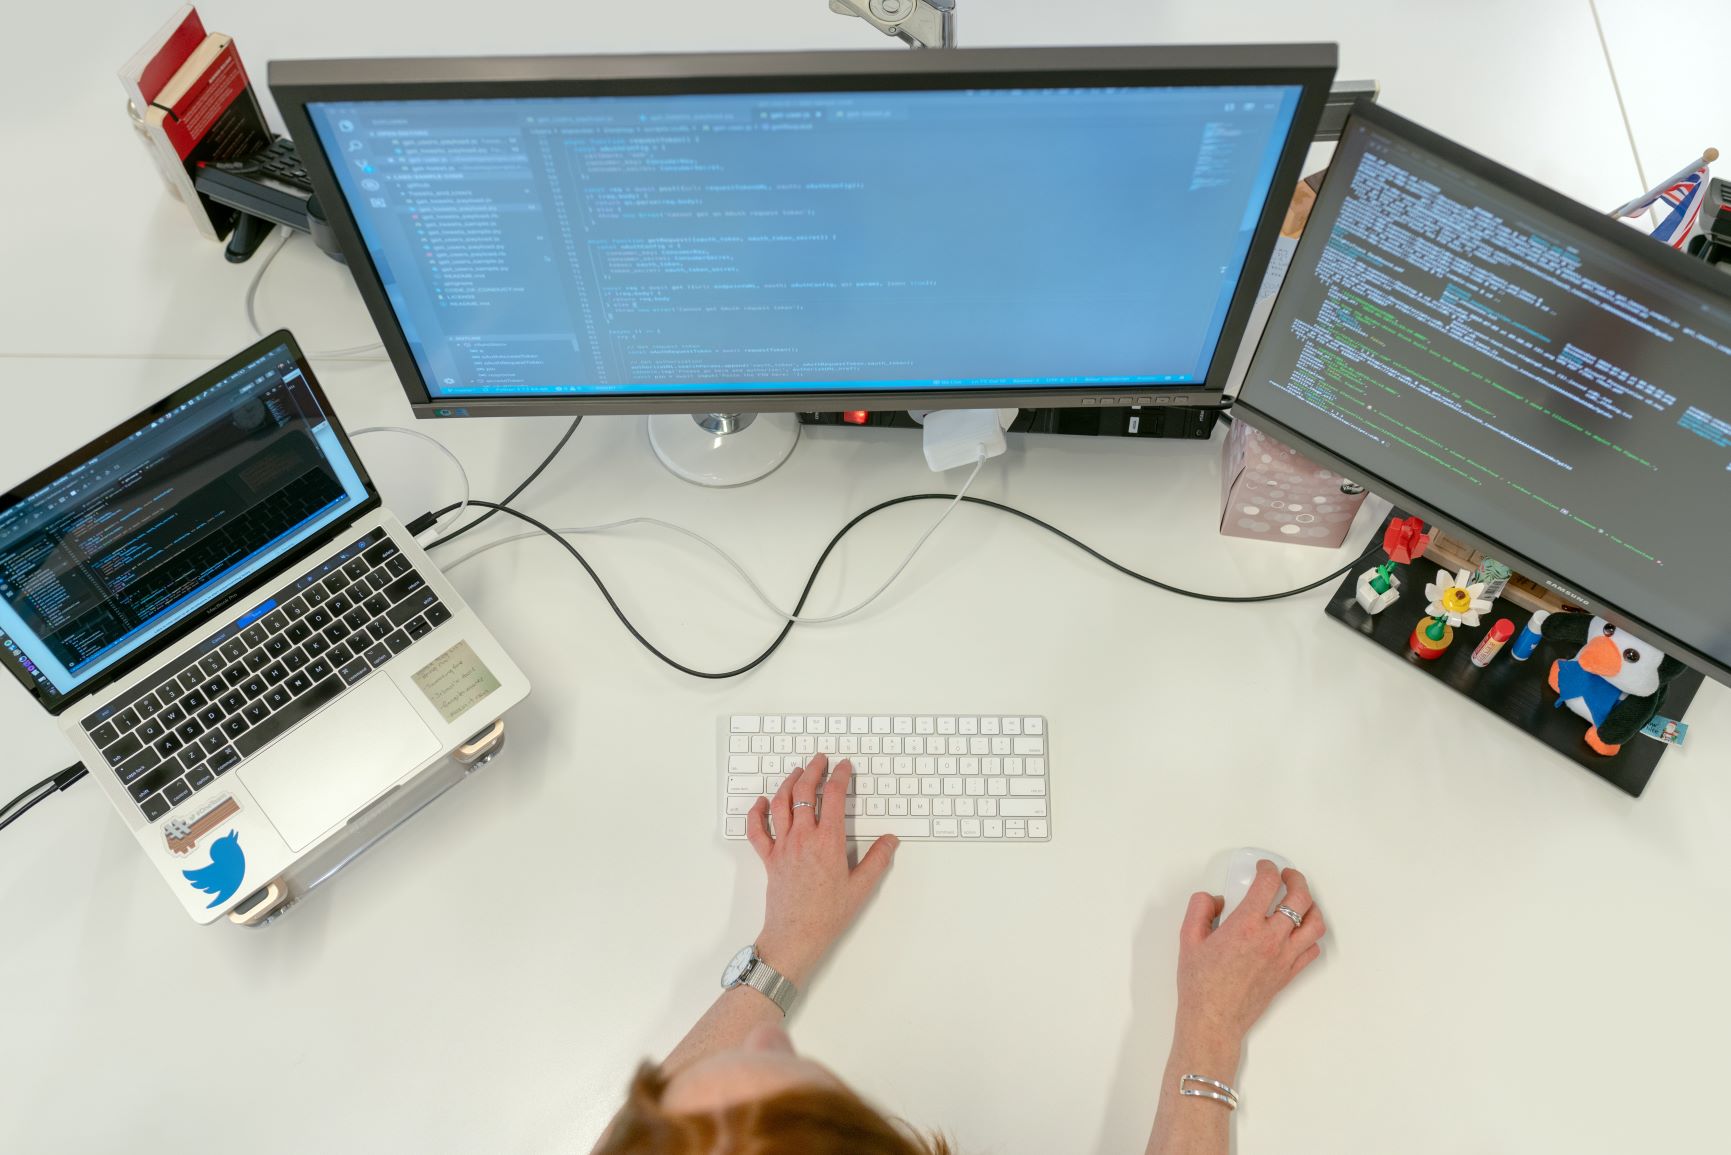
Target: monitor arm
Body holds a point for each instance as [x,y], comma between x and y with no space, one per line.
[921,23]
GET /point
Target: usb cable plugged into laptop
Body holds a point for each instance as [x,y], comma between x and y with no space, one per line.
[53,784]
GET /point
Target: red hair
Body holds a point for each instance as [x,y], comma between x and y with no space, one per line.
[799,1122]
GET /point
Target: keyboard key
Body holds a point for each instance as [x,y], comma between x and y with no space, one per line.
[147,705]
[253,688]
[294,660]
[126,721]
[232,701]
[868,827]
[316,645]
[381,553]
[177,792]
[356,619]
[341,656]
[137,766]
[169,745]
[356,568]
[378,656]
[288,717]
[409,608]
[277,646]
[256,712]
[418,629]
[275,621]
[171,717]
[437,615]
[1022,808]
[275,673]
[355,671]
[200,778]
[403,587]
[122,748]
[234,649]
[339,605]
[1038,828]
[298,684]
[104,734]
[235,674]
[315,595]
[154,807]
[746,724]
[189,730]
[152,780]
[212,715]
[336,582]
[337,632]
[257,660]
[298,632]
[224,760]
[1028,745]
[254,635]
[278,697]
[1033,725]
[191,758]
[745,784]
[193,703]
[319,619]
[150,730]
[190,679]
[212,664]
[319,670]
[379,629]
[236,726]
[295,610]
[398,566]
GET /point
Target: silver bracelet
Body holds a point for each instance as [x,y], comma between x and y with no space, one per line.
[1230,1097]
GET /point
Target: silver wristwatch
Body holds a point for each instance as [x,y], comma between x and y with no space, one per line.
[747,969]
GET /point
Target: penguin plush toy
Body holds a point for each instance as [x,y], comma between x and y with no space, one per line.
[1615,681]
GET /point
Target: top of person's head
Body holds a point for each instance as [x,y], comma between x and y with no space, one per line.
[801,1120]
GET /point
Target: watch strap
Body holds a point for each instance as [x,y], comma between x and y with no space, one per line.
[772,985]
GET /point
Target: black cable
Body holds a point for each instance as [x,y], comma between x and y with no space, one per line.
[787,627]
[513,495]
[52,784]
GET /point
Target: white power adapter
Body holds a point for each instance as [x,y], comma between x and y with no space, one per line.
[958,437]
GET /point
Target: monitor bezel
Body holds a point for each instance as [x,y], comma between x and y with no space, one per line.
[55,702]
[297,83]
[1660,258]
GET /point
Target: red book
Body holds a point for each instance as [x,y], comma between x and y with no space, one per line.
[207,111]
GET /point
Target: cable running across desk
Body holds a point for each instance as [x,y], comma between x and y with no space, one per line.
[817,568]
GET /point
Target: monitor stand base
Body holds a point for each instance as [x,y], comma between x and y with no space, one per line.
[723,449]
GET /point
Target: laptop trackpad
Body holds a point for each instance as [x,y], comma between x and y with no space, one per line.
[338,761]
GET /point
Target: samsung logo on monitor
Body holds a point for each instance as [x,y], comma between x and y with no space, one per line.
[1566,592]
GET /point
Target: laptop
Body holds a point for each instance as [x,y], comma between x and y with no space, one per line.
[247,650]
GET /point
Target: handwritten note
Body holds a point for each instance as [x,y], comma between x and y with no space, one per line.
[455,681]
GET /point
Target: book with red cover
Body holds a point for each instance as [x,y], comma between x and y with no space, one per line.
[207,111]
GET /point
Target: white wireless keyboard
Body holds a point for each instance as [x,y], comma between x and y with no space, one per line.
[931,777]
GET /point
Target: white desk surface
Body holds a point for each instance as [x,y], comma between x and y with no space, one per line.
[1521,958]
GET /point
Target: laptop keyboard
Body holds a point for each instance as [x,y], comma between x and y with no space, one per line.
[261,675]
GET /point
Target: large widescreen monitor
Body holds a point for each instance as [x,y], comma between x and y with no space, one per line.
[785,232]
[1536,377]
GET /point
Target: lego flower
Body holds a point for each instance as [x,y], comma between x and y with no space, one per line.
[1456,600]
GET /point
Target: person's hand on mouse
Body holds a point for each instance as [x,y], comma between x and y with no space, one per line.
[1228,975]
[813,895]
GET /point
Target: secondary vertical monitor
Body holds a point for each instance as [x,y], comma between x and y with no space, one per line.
[784,232]
[1538,377]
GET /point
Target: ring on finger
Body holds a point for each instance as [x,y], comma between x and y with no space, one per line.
[797,805]
[1297,919]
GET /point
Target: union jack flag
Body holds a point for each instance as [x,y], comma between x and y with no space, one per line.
[1683,198]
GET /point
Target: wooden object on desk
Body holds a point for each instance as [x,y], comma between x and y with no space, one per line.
[1454,555]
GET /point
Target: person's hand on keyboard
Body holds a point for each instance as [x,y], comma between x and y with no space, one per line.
[1227,976]
[813,896]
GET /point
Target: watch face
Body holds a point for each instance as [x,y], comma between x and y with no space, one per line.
[736,969]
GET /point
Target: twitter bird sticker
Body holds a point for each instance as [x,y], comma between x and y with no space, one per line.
[222,877]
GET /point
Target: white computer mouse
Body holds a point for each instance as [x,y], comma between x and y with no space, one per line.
[1241,872]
